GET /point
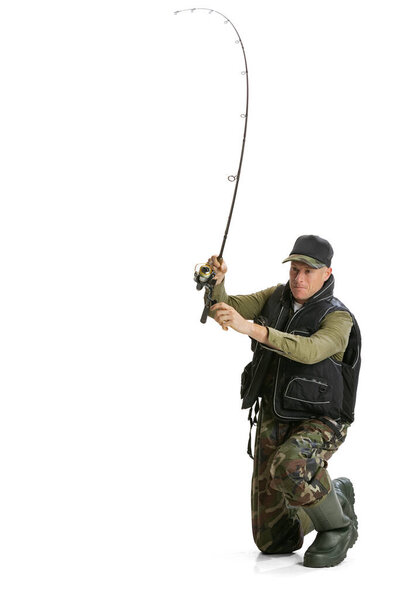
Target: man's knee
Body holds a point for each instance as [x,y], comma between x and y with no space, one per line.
[281,537]
[287,469]
[301,479]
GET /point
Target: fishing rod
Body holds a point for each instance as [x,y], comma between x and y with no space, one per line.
[204,273]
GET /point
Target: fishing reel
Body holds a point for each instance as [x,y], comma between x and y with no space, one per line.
[203,275]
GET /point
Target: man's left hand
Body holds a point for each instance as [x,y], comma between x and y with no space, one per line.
[226,316]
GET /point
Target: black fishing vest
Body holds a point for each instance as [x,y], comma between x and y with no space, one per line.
[301,391]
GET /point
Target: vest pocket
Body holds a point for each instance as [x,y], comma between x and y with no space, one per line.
[310,395]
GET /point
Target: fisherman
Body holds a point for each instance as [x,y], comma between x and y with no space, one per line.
[305,391]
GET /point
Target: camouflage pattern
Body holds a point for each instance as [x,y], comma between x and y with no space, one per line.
[315,264]
[290,461]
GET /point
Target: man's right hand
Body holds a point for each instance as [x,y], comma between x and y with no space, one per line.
[220,268]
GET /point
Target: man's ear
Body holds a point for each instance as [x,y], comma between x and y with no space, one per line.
[328,273]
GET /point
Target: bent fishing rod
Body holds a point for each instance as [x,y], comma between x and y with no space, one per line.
[204,273]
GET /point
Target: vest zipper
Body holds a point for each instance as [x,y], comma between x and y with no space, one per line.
[315,300]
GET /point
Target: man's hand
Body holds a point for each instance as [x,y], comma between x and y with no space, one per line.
[219,268]
[226,316]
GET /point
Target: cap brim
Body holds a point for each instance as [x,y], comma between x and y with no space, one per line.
[311,262]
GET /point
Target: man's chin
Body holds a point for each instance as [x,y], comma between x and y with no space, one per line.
[299,296]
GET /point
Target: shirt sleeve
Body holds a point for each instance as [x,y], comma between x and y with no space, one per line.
[248,306]
[330,340]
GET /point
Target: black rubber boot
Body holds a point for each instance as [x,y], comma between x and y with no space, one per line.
[337,531]
[345,493]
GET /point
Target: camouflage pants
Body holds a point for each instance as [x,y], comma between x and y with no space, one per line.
[290,461]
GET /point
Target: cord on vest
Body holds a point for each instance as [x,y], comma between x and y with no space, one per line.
[253,421]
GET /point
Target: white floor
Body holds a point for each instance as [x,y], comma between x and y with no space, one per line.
[248,574]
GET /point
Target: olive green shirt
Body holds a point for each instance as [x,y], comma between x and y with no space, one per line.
[330,340]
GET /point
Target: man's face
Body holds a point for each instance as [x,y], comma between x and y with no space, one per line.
[306,281]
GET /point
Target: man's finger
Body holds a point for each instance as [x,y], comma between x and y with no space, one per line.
[223,314]
[219,305]
[215,261]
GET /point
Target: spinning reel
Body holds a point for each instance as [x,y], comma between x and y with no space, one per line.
[204,277]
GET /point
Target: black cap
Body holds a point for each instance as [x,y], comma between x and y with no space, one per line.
[312,250]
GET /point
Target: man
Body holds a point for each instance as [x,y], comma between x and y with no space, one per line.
[301,372]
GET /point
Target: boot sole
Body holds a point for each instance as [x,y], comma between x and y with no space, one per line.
[320,561]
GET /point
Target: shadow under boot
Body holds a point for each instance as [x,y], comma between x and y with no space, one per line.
[336,532]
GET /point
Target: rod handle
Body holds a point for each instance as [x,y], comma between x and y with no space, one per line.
[204,314]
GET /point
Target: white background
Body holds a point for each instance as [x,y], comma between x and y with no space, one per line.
[123,447]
